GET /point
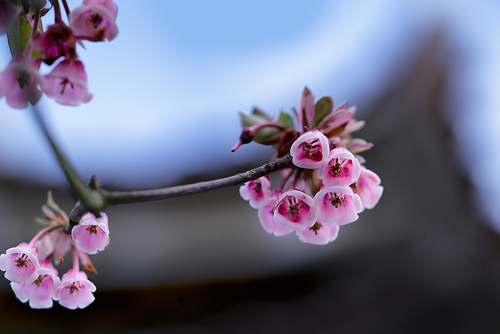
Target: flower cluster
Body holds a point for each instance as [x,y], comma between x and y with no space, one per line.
[30,269]
[21,82]
[327,186]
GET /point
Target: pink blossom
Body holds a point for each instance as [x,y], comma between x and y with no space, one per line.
[320,233]
[91,234]
[55,243]
[310,150]
[338,205]
[342,168]
[295,210]
[368,188]
[41,292]
[94,20]
[256,191]
[67,83]
[19,81]
[20,264]
[267,221]
[8,13]
[75,290]
[55,42]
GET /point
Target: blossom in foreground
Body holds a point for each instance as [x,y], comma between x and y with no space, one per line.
[256,191]
[368,188]
[19,81]
[40,293]
[310,150]
[94,20]
[341,169]
[67,83]
[295,210]
[20,264]
[338,205]
[75,290]
[267,221]
[91,234]
[320,233]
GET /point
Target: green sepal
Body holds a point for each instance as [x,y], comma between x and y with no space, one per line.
[19,34]
[286,119]
[258,113]
[42,222]
[257,117]
[322,108]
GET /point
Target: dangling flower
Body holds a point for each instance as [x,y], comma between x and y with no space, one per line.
[310,150]
[56,42]
[20,264]
[19,81]
[91,234]
[338,205]
[368,188]
[256,191]
[41,292]
[295,210]
[67,83]
[94,20]
[319,234]
[342,168]
[267,221]
[55,243]
[75,290]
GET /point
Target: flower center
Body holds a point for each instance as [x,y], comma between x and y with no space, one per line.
[96,20]
[64,82]
[22,261]
[74,287]
[311,150]
[92,229]
[316,227]
[23,79]
[336,200]
[257,187]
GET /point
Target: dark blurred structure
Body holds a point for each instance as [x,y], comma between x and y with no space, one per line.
[430,264]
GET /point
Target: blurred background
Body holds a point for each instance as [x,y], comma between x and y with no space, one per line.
[167,93]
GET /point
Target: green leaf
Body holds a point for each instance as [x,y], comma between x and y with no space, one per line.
[323,107]
[19,35]
[286,119]
[260,114]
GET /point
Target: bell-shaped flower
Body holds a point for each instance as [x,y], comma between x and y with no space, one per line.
[55,243]
[295,210]
[342,168]
[19,81]
[8,13]
[94,20]
[256,191]
[267,221]
[40,293]
[368,188]
[67,83]
[75,290]
[310,150]
[91,234]
[320,233]
[20,264]
[57,41]
[337,205]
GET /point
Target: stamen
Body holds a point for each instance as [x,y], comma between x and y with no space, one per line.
[316,227]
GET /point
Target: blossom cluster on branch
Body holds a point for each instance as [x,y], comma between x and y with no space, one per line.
[20,81]
[29,265]
[327,186]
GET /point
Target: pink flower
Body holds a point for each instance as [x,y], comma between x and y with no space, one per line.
[41,292]
[338,205]
[19,81]
[91,234]
[8,13]
[67,83]
[342,168]
[319,234]
[55,243]
[94,20]
[267,221]
[75,290]
[56,42]
[310,150]
[295,210]
[368,188]
[20,264]
[256,191]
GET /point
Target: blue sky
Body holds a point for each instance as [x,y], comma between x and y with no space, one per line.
[167,91]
